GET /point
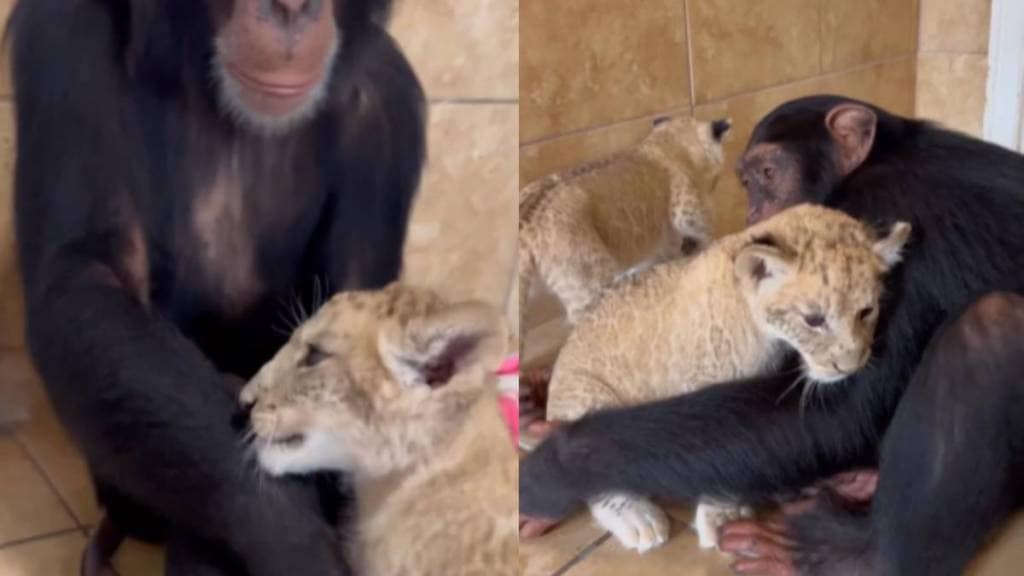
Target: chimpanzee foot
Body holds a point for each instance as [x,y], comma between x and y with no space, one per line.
[101,548]
[760,548]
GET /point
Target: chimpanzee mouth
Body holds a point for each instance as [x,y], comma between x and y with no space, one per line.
[291,441]
[274,89]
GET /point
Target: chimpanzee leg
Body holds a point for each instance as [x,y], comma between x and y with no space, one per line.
[187,556]
[953,458]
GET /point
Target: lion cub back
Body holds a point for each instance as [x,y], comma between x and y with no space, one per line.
[807,279]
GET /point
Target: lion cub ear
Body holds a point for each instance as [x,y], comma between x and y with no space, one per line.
[430,350]
[890,247]
[762,268]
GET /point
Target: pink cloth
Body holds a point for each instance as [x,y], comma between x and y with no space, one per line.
[508,398]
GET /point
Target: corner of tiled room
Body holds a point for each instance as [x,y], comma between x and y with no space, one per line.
[594,91]
[466,54]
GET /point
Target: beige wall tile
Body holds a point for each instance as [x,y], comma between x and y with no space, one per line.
[549,156]
[586,63]
[461,49]
[955,25]
[11,307]
[856,33]
[28,507]
[742,46]
[57,556]
[462,238]
[951,90]
[5,68]
[889,85]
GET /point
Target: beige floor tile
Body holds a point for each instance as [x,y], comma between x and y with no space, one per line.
[680,556]
[49,444]
[28,506]
[545,555]
[57,556]
[137,558]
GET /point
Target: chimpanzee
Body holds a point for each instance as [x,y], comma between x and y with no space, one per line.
[185,169]
[939,410]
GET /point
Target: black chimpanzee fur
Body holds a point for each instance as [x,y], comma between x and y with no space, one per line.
[946,427]
[133,321]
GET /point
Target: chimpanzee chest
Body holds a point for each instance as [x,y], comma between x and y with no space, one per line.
[241,237]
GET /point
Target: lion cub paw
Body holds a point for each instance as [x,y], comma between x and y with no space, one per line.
[710,517]
[636,522]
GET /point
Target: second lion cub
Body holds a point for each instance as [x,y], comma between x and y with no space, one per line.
[580,228]
[808,279]
[397,387]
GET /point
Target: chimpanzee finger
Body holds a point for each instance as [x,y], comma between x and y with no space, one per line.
[762,567]
[533,527]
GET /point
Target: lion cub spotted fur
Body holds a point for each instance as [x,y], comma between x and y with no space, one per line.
[396,386]
[580,228]
[807,279]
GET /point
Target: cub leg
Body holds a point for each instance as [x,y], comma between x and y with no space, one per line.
[579,273]
[710,516]
[636,522]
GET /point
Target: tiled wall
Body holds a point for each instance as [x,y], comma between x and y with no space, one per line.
[11,313]
[463,233]
[462,238]
[595,72]
[952,65]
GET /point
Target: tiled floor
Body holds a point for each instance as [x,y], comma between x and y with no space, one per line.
[47,505]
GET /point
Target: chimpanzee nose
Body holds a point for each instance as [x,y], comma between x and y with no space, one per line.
[720,127]
[292,7]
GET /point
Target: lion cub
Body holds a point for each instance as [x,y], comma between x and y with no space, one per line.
[808,279]
[397,387]
[580,228]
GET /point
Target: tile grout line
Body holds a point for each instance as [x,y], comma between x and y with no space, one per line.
[689,54]
[49,482]
[585,129]
[582,555]
[39,537]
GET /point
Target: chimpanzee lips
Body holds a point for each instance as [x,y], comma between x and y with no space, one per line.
[274,88]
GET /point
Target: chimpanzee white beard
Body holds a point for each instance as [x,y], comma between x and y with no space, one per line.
[232,102]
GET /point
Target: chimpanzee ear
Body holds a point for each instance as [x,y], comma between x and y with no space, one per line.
[890,248]
[852,127]
[762,268]
[430,350]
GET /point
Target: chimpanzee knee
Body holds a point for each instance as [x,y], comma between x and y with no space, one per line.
[986,339]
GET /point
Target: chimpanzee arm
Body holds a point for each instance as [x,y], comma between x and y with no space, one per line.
[374,163]
[742,439]
[146,407]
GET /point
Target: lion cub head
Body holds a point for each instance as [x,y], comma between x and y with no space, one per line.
[373,382]
[693,143]
[813,277]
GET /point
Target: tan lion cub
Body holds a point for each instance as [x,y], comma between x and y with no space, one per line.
[808,279]
[580,228]
[396,387]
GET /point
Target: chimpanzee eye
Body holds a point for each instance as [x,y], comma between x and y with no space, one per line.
[865,313]
[314,355]
[768,172]
[814,320]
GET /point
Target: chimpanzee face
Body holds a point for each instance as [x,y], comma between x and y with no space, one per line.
[272,59]
[800,153]
[771,175]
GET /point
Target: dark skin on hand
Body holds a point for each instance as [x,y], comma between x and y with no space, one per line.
[937,412]
[187,173]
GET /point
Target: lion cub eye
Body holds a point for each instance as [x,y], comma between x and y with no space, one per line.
[314,356]
[814,320]
[865,313]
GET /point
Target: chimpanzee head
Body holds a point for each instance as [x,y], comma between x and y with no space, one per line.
[802,150]
[272,59]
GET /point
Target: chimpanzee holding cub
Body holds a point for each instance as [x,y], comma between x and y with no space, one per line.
[939,411]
